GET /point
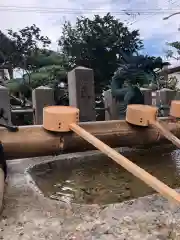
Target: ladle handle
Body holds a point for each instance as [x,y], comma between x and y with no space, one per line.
[150,180]
[166,133]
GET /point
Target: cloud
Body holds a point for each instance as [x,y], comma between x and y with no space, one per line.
[154,31]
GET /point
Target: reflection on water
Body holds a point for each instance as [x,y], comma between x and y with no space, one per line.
[102,181]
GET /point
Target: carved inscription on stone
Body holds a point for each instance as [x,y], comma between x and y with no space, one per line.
[84,93]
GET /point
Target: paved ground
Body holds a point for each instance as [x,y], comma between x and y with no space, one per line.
[28,215]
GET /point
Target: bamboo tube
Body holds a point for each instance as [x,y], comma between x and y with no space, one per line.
[34,141]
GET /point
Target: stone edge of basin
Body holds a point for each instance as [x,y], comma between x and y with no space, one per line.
[44,160]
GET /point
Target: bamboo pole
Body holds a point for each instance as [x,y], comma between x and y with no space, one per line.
[171,137]
[33,141]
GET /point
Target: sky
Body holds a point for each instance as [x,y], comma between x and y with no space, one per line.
[154,31]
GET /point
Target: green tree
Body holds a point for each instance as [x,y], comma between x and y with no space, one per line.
[27,50]
[19,49]
[27,42]
[98,44]
[49,68]
[48,75]
[174,51]
[48,57]
[44,74]
[7,47]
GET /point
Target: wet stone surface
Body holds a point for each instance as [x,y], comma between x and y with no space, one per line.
[28,214]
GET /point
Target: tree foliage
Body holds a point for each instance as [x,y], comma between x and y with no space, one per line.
[45,57]
[27,42]
[98,44]
[7,47]
[174,51]
[48,75]
[138,69]
[43,67]
[19,49]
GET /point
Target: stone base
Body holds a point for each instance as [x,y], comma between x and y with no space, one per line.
[29,215]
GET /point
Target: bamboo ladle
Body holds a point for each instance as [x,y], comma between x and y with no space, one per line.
[145,115]
[65,119]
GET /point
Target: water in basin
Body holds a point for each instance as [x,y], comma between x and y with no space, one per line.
[99,180]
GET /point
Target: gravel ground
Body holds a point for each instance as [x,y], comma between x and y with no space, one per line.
[28,214]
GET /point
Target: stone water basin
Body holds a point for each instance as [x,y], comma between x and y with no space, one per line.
[96,179]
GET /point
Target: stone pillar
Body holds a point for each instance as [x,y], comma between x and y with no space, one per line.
[165,75]
[177,96]
[147,95]
[165,96]
[2,76]
[111,106]
[41,97]
[5,105]
[154,98]
[81,92]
